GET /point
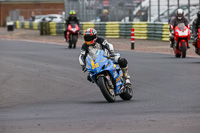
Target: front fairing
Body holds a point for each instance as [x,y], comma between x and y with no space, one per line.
[73,28]
[181,31]
[97,63]
[100,64]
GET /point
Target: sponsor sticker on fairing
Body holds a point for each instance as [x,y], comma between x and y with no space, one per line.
[183,33]
[115,74]
[118,83]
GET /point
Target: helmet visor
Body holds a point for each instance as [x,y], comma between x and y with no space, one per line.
[180,16]
[89,38]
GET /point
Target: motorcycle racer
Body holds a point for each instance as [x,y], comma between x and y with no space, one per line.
[178,18]
[92,41]
[195,27]
[72,19]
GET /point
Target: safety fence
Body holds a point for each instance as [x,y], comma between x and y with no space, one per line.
[27,25]
[143,30]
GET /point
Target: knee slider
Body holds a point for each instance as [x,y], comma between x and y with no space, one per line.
[122,62]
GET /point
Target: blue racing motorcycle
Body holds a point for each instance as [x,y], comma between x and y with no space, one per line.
[108,76]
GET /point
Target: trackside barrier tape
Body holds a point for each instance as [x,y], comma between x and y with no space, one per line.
[35,26]
[17,24]
[52,26]
[26,25]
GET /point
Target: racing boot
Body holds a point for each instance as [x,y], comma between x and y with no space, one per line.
[188,46]
[196,48]
[65,36]
[171,44]
[126,76]
[171,40]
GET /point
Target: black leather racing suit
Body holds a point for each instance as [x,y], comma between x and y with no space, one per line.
[195,27]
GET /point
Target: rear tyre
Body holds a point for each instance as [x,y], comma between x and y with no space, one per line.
[183,49]
[106,90]
[128,94]
[177,55]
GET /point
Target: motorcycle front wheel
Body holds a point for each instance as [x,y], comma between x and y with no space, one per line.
[183,49]
[70,41]
[74,40]
[106,90]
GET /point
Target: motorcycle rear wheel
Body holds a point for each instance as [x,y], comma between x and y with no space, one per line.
[106,90]
[128,94]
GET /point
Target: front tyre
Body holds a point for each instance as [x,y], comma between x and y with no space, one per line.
[106,90]
[127,94]
[74,40]
[183,49]
[70,41]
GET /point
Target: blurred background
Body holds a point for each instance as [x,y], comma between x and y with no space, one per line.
[95,10]
[132,10]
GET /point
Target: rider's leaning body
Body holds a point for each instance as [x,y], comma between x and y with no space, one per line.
[92,41]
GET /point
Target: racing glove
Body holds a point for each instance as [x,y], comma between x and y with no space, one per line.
[112,56]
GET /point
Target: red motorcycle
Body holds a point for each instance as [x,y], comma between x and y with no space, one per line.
[198,43]
[181,37]
[72,35]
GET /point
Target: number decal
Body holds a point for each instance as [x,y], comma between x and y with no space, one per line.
[94,65]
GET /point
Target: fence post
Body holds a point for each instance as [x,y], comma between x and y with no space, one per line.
[41,28]
[132,39]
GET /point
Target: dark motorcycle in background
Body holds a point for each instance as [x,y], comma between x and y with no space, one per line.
[181,37]
[197,51]
[72,35]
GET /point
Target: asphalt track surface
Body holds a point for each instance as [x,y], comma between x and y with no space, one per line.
[43,90]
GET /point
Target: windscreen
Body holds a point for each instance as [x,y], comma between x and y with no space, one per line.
[73,25]
[181,26]
[93,53]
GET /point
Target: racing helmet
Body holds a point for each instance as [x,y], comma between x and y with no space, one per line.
[179,13]
[198,14]
[90,36]
[72,13]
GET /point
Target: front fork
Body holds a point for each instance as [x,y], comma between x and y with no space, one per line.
[109,81]
[107,77]
[178,44]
